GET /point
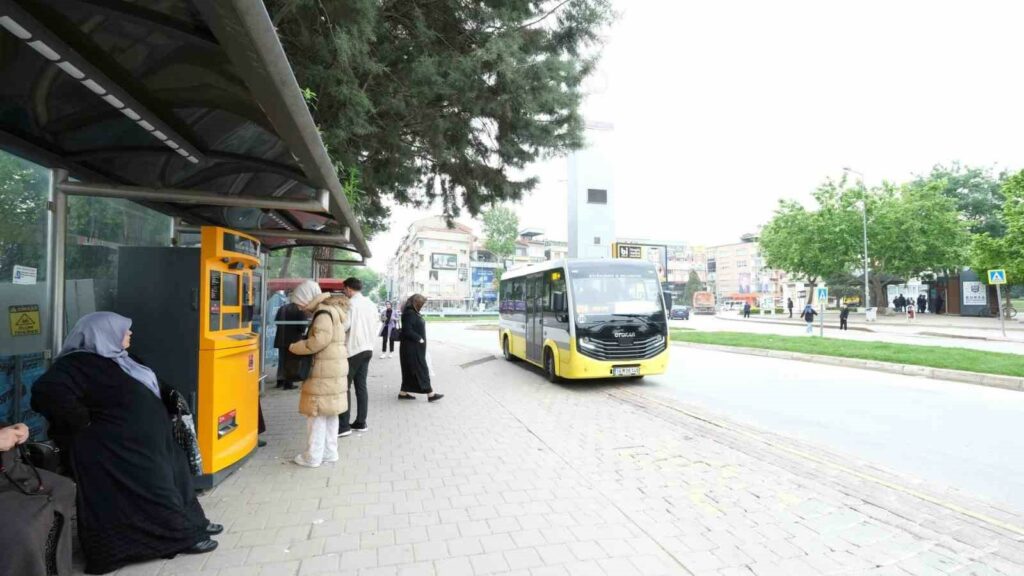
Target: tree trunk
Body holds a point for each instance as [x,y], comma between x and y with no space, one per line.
[878,297]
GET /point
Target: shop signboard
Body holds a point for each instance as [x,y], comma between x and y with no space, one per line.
[656,254]
[974,294]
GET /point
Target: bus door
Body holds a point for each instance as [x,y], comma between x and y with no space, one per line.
[534,318]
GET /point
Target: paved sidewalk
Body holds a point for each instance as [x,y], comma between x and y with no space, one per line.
[511,474]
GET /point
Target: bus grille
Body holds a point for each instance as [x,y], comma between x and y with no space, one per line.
[613,350]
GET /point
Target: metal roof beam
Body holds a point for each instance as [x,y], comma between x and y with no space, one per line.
[133,12]
[226,164]
[68,50]
[176,196]
[340,241]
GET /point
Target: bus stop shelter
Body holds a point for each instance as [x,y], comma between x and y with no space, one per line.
[189,108]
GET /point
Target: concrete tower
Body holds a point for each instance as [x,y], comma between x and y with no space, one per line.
[592,195]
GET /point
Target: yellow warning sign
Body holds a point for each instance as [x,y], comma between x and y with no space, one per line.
[24,320]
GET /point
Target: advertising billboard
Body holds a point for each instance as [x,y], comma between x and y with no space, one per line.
[440,261]
[484,285]
[655,254]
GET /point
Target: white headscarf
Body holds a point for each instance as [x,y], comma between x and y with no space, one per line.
[305,293]
[102,333]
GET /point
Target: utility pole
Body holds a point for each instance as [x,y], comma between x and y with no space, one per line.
[864,212]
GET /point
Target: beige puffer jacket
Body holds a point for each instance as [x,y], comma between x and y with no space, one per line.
[325,392]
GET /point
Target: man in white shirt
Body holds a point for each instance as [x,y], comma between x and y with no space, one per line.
[362,337]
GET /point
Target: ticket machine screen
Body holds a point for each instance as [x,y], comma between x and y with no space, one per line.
[230,297]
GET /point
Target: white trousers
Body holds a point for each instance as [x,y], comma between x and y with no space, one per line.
[321,440]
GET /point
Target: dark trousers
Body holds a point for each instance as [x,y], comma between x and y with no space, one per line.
[358,367]
[842,324]
[385,339]
[790,312]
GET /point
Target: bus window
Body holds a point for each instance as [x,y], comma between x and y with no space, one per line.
[556,311]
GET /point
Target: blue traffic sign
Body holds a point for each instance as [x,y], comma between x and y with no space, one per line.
[997,276]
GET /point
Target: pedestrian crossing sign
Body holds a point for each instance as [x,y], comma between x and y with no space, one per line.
[997,276]
[822,293]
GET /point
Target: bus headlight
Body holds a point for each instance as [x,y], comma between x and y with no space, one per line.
[586,343]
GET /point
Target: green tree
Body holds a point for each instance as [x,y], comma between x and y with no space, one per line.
[814,244]
[1007,252]
[693,285]
[501,228]
[977,193]
[23,194]
[442,99]
[913,229]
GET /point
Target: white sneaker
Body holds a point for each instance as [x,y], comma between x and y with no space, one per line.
[383,356]
[301,461]
[391,355]
[331,460]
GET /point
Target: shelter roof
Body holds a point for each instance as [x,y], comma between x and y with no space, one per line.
[190,108]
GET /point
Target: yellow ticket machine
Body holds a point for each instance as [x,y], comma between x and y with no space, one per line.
[192,312]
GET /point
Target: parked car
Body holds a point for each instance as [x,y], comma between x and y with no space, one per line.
[679,313]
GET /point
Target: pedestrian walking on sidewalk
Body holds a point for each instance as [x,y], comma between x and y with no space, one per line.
[388,331]
[808,315]
[746,309]
[922,303]
[324,393]
[844,317]
[789,304]
[362,335]
[413,352]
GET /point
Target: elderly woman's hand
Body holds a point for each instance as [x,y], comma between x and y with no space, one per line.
[11,436]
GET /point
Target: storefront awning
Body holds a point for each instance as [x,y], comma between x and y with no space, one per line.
[190,108]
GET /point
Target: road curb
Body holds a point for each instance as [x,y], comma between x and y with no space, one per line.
[976,378]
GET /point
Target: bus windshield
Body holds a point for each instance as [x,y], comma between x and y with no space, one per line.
[609,292]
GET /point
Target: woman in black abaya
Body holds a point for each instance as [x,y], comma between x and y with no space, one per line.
[135,499]
[413,352]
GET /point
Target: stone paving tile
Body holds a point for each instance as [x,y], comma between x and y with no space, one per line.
[513,475]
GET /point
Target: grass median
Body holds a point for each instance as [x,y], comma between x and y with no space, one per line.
[932,356]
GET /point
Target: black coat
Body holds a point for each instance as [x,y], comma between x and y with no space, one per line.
[413,355]
[136,501]
[289,333]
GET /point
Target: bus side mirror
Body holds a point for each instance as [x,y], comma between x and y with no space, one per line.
[668,300]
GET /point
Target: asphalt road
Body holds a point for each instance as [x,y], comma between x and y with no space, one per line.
[948,435]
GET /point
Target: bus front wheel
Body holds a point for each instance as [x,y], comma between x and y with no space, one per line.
[505,351]
[549,366]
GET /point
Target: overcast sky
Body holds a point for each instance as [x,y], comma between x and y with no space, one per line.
[722,108]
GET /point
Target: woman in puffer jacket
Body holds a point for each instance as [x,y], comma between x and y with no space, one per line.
[324,394]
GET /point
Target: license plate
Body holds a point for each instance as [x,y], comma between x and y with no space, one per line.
[626,371]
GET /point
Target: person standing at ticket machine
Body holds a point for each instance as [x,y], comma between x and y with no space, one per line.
[288,334]
[324,392]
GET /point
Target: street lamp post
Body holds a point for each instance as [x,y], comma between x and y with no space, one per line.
[864,211]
